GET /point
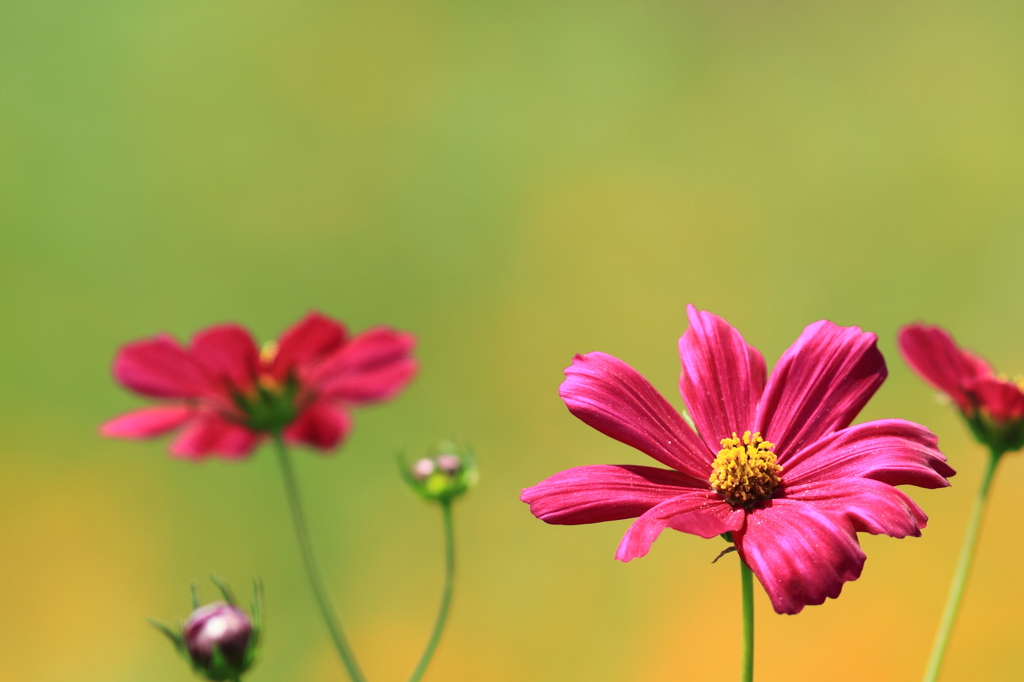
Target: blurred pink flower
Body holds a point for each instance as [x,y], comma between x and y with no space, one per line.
[774,461]
[993,405]
[228,394]
[960,374]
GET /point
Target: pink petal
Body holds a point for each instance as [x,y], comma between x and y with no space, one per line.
[160,368]
[321,425]
[819,385]
[1001,399]
[934,355]
[612,397]
[800,554]
[871,506]
[152,421]
[310,340]
[210,434]
[592,494]
[699,512]
[893,451]
[722,379]
[373,366]
[229,354]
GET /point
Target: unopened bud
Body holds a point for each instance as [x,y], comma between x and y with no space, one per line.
[423,468]
[449,464]
[217,626]
[443,476]
[219,640]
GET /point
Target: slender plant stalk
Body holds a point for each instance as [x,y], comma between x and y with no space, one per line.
[446,597]
[316,581]
[747,581]
[963,569]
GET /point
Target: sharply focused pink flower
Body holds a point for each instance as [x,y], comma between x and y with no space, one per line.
[228,394]
[774,461]
[993,405]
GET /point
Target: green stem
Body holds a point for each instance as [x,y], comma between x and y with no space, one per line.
[747,581]
[348,658]
[963,568]
[446,597]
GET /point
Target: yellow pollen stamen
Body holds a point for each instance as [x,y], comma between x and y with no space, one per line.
[745,471]
[268,352]
[1017,380]
[269,383]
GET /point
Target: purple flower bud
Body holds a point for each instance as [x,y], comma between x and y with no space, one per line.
[449,464]
[422,469]
[217,625]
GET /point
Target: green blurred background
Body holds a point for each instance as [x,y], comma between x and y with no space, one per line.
[515,183]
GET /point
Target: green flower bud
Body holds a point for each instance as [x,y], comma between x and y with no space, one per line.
[444,474]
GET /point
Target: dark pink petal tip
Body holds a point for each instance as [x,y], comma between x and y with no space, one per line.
[722,378]
[698,512]
[892,451]
[801,555]
[374,366]
[933,354]
[871,506]
[160,368]
[612,397]
[229,355]
[592,494]
[146,423]
[819,385]
[310,340]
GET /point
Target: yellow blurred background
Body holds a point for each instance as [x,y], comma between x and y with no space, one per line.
[515,183]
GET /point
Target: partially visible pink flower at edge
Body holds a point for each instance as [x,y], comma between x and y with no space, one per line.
[966,378]
[774,460]
[227,394]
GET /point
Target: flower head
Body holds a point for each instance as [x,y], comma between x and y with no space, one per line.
[444,475]
[219,640]
[992,405]
[226,393]
[774,461]
[218,627]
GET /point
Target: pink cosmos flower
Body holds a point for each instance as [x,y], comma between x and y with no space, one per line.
[993,405]
[774,460]
[228,394]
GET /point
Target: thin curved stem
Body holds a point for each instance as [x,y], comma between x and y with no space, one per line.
[446,597]
[316,581]
[963,569]
[747,582]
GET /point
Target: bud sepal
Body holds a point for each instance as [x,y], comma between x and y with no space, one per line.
[1001,436]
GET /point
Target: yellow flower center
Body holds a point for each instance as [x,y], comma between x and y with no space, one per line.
[745,472]
[268,352]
